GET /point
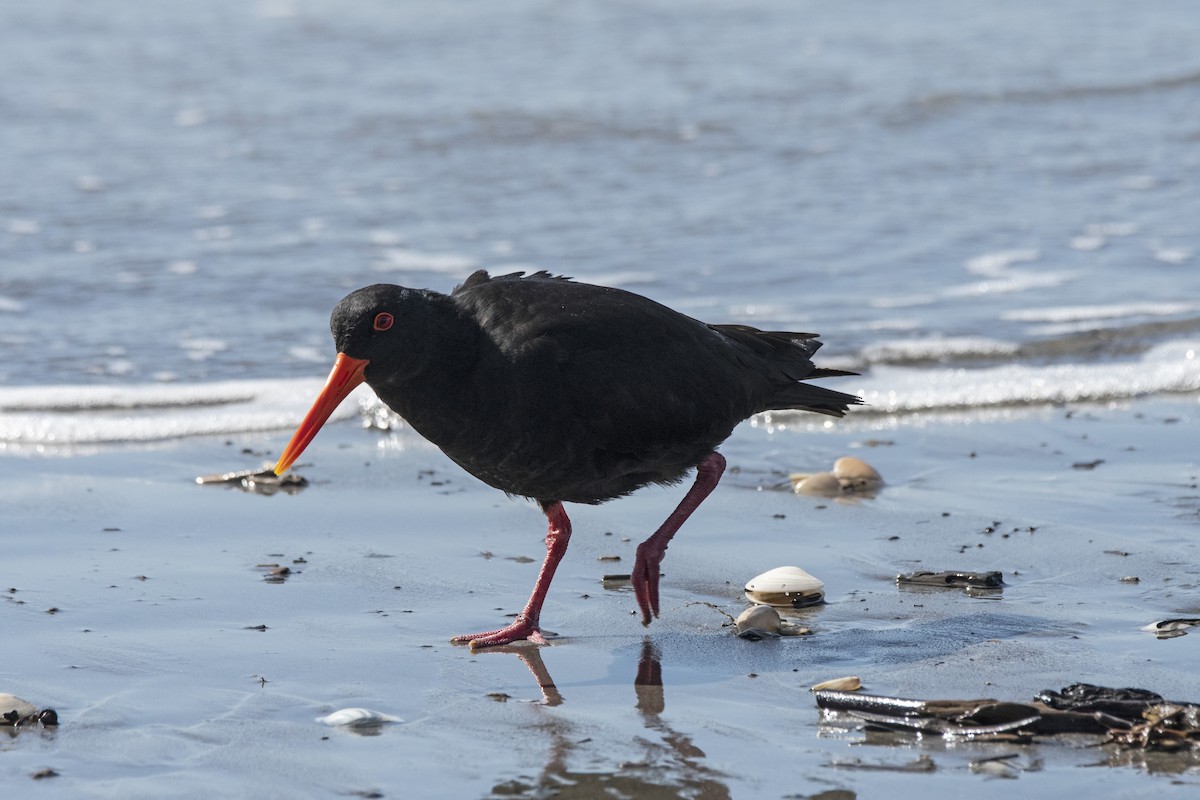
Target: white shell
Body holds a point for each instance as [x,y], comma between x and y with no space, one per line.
[762,617]
[786,587]
[1162,626]
[357,717]
[850,683]
[10,703]
[821,484]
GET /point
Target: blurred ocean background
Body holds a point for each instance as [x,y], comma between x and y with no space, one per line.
[978,206]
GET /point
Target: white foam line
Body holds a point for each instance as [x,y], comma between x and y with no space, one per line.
[1172,367]
[1114,311]
[73,415]
[35,418]
[937,347]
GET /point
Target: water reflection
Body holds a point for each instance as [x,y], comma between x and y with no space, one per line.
[531,657]
[671,765]
[995,759]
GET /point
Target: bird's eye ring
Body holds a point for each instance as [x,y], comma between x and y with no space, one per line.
[383,321]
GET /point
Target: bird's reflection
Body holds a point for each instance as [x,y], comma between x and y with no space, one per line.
[671,767]
[531,657]
[648,684]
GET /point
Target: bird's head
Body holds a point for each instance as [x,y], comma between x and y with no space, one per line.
[384,325]
[381,334]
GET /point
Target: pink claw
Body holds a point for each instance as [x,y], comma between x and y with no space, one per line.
[525,626]
[520,630]
[650,553]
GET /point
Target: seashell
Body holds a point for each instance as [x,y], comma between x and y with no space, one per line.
[821,484]
[357,718]
[257,481]
[968,580]
[856,475]
[762,618]
[10,703]
[1171,628]
[851,683]
[1161,625]
[786,587]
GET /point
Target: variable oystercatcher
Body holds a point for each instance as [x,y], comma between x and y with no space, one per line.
[565,392]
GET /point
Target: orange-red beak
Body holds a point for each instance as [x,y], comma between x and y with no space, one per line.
[347,373]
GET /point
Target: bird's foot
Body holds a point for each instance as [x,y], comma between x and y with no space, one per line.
[645,579]
[521,629]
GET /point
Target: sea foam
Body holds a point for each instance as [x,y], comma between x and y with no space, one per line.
[1169,367]
[50,418]
[47,417]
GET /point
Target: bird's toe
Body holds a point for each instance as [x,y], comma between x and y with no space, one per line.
[521,630]
[645,587]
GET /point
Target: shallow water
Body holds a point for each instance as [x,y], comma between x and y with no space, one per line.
[990,214]
[155,666]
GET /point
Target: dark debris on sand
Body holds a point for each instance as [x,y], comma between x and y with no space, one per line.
[1129,718]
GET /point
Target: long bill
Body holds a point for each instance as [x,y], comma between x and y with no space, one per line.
[347,373]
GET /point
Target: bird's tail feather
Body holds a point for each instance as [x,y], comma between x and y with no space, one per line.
[786,358]
[826,372]
[805,397]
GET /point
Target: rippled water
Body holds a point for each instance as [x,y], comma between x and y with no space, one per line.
[189,188]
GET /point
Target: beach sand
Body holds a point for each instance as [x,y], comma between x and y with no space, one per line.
[166,686]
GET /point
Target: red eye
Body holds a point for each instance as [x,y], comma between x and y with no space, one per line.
[383,321]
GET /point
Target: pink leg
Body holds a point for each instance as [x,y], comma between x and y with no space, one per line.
[650,552]
[525,626]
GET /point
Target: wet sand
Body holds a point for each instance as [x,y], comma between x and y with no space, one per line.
[166,685]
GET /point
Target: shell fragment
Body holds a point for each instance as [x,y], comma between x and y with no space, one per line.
[1172,628]
[357,718]
[851,683]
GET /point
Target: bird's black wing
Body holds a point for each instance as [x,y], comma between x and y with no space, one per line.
[624,387]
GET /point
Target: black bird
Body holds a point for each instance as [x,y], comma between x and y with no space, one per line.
[565,392]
